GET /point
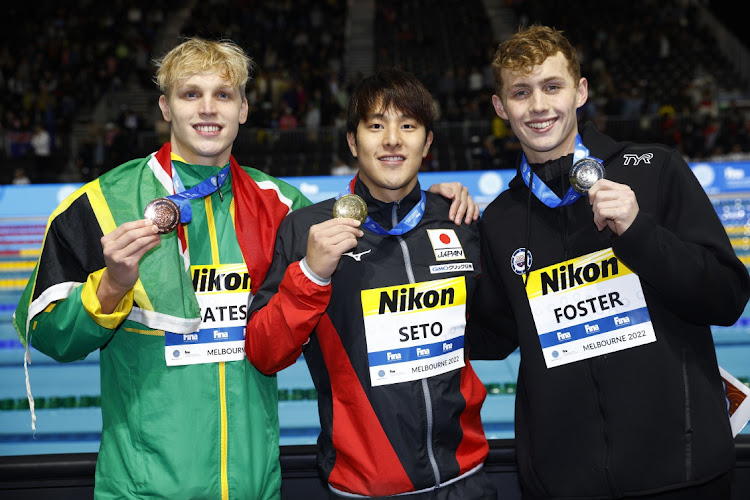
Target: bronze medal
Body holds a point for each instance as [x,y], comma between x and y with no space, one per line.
[585,173]
[165,213]
[350,206]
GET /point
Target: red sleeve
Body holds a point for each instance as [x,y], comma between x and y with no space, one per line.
[277,331]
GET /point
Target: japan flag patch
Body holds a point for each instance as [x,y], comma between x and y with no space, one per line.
[445,244]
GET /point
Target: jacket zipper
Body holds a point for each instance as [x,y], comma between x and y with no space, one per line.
[592,371]
[605,437]
[564,224]
[688,420]
[224,409]
[425,387]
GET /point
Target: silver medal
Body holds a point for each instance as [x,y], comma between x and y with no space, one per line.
[585,173]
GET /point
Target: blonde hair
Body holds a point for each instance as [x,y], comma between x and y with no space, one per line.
[530,47]
[197,55]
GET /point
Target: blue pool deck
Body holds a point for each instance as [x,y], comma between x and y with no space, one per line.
[68,395]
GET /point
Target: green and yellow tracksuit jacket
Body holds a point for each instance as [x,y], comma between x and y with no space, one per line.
[200,431]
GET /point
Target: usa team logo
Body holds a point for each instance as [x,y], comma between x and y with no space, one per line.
[518,261]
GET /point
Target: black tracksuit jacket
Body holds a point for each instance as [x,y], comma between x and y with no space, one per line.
[644,419]
[374,440]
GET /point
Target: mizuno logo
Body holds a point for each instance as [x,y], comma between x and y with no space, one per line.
[357,256]
[636,159]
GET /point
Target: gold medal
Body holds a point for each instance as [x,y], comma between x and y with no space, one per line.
[585,173]
[165,213]
[350,206]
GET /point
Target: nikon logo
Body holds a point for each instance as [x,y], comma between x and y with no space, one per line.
[208,280]
[408,299]
[568,276]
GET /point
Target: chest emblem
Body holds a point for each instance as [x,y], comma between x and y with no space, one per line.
[357,256]
[445,244]
[518,261]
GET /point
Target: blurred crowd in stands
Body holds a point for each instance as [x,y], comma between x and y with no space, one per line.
[57,60]
[655,74]
[660,65]
[298,47]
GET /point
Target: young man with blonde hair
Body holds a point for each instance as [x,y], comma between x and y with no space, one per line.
[184,415]
[606,263]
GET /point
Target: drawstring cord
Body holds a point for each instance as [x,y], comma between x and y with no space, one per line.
[26,363]
[563,188]
[528,234]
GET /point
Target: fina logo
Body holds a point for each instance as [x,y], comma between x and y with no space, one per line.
[518,261]
[381,373]
[176,353]
[704,173]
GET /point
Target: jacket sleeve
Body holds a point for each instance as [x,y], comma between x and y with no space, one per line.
[70,329]
[58,312]
[683,252]
[287,307]
[491,326]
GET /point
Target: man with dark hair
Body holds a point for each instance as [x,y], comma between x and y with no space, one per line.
[378,308]
[606,263]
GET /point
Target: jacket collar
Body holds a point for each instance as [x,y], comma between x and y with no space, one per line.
[599,145]
[382,212]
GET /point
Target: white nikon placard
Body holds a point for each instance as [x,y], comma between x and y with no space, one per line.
[415,330]
[222,292]
[586,307]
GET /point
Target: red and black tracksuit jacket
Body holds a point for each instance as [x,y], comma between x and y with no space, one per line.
[382,440]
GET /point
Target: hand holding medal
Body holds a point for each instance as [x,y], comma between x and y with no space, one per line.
[615,205]
[327,241]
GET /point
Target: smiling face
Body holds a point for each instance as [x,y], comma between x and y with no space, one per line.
[389,147]
[541,107]
[205,113]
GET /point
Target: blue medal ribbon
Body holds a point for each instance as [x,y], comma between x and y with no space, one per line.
[404,226]
[542,191]
[183,196]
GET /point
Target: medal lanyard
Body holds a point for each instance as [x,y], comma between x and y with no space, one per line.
[542,191]
[404,226]
[183,196]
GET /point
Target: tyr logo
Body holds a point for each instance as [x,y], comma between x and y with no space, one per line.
[645,157]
